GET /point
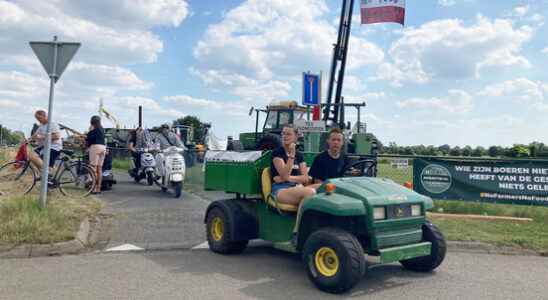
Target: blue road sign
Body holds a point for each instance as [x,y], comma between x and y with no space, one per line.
[311,89]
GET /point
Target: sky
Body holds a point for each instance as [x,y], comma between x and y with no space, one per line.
[460,72]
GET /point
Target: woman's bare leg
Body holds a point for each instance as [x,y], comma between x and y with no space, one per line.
[294,196]
[98,178]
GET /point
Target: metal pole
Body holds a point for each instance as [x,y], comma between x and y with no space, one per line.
[140,116]
[47,146]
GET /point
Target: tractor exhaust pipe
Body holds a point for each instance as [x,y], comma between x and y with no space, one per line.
[140,116]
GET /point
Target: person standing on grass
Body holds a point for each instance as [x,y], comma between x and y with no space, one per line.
[95,143]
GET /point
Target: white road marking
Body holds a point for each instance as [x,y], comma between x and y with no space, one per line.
[203,245]
[124,247]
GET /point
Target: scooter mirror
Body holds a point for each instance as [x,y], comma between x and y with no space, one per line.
[251,111]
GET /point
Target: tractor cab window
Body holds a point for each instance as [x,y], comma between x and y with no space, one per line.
[299,115]
[271,120]
[284,118]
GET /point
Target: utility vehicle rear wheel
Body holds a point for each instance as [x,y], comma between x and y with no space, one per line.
[430,233]
[334,260]
[218,233]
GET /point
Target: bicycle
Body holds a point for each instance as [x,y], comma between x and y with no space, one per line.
[72,176]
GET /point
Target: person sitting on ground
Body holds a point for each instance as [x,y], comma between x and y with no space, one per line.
[39,136]
[290,174]
[332,162]
[95,142]
[168,138]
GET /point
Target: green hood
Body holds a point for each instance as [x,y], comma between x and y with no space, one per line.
[356,195]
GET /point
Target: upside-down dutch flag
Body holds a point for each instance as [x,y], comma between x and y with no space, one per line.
[380,11]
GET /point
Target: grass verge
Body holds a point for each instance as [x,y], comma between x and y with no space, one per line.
[23,222]
[532,235]
[121,164]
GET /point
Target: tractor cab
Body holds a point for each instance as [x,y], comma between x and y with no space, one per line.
[282,113]
[278,114]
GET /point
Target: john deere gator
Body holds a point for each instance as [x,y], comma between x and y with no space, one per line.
[349,219]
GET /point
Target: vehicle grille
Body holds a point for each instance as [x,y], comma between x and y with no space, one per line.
[397,238]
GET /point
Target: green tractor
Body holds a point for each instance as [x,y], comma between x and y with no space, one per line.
[289,112]
[348,219]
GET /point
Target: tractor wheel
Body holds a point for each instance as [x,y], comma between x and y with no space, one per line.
[219,235]
[269,142]
[334,260]
[430,233]
[235,146]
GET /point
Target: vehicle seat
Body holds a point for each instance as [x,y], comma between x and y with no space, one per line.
[266,181]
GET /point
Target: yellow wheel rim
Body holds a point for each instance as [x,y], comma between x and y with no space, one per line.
[327,261]
[217,228]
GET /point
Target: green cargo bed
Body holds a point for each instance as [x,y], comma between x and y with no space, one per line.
[243,177]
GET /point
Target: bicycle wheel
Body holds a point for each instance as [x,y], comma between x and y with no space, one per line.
[76,180]
[17,178]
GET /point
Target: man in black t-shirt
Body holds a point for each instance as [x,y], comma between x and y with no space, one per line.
[332,162]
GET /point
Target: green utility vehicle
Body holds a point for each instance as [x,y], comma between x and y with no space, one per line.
[348,219]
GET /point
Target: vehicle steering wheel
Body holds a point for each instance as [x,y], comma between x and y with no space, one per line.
[361,168]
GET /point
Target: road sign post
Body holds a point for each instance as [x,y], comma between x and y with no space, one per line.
[54,57]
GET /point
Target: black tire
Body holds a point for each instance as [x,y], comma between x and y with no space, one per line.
[351,265]
[430,233]
[269,142]
[77,180]
[20,176]
[222,243]
[150,178]
[178,187]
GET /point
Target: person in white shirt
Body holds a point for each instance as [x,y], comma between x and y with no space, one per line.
[39,137]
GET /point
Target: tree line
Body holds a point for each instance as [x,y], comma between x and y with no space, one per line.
[533,150]
[9,137]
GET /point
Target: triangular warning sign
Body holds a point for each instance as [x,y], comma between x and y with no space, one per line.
[45,51]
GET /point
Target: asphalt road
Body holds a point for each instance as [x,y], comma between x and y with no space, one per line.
[148,218]
[260,273]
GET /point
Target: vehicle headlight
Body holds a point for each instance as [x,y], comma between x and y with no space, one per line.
[379,213]
[415,210]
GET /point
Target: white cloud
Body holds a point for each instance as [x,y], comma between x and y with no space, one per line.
[447,2]
[129,12]
[521,10]
[242,86]
[451,2]
[545,50]
[262,40]
[450,49]
[19,85]
[187,101]
[113,34]
[521,90]
[457,101]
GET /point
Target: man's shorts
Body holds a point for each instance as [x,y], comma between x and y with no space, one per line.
[53,155]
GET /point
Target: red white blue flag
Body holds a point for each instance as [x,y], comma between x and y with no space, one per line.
[381,11]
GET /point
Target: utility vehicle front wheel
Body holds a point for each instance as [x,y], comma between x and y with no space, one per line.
[430,233]
[334,259]
[218,233]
